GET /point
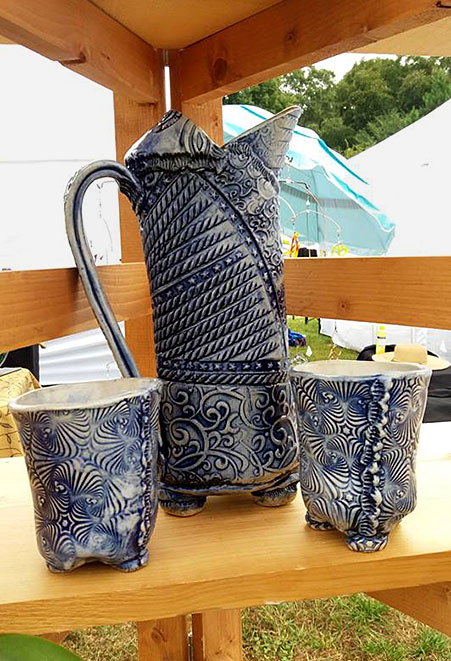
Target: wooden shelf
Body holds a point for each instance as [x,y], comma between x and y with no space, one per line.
[233,554]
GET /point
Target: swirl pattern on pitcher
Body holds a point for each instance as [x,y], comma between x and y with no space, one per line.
[223,436]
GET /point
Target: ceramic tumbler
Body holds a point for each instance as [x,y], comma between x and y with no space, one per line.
[91,452]
[359,424]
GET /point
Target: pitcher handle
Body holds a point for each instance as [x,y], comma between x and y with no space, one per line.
[73,202]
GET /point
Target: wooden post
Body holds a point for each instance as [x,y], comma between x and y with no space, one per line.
[158,640]
[132,119]
[430,604]
[163,640]
[217,636]
[207,115]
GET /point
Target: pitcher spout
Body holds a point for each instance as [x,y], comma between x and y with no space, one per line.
[271,139]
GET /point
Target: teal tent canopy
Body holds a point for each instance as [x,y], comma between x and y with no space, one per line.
[322,198]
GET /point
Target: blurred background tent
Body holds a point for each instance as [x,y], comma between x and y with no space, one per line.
[322,197]
[410,177]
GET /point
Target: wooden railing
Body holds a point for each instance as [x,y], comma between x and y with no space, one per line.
[36,306]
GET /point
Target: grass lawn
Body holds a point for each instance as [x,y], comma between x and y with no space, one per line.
[320,345]
[355,628]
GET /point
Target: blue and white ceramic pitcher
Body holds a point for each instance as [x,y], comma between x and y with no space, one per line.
[209,219]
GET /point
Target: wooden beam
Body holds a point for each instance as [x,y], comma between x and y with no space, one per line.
[207,115]
[163,640]
[412,291]
[431,40]
[132,120]
[430,604]
[36,306]
[39,305]
[86,40]
[217,635]
[289,35]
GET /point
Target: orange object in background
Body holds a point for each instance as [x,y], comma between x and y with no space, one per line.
[294,248]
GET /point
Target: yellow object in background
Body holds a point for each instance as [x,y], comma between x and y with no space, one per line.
[12,384]
[381,340]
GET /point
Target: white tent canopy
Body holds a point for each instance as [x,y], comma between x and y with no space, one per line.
[410,175]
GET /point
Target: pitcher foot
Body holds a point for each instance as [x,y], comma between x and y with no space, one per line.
[275,497]
[366,544]
[179,504]
[318,525]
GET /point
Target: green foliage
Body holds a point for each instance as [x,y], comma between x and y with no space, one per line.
[375,99]
[16,647]
[320,345]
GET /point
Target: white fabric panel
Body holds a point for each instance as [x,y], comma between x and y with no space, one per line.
[81,357]
[52,122]
[410,175]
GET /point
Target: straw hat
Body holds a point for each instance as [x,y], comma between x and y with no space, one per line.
[411,353]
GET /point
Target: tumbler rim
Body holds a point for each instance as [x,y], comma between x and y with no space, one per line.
[91,394]
[357,370]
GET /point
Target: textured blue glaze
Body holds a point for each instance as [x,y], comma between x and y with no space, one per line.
[93,471]
[358,437]
[209,220]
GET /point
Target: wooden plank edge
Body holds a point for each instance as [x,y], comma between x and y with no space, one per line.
[82,37]
[410,291]
[36,306]
[157,602]
[289,35]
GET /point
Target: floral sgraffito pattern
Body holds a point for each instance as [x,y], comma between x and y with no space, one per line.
[12,385]
[358,449]
[93,475]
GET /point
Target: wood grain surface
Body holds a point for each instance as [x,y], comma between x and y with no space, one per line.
[233,554]
[293,34]
[163,640]
[36,306]
[86,40]
[217,635]
[398,290]
[414,291]
[430,604]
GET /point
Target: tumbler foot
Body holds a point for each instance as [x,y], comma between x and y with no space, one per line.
[275,497]
[134,563]
[318,525]
[366,544]
[179,504]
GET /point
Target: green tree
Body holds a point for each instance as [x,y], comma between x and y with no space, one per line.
[375,99]
[362,95]
[269,95]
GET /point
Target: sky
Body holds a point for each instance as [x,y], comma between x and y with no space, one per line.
[341,64]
